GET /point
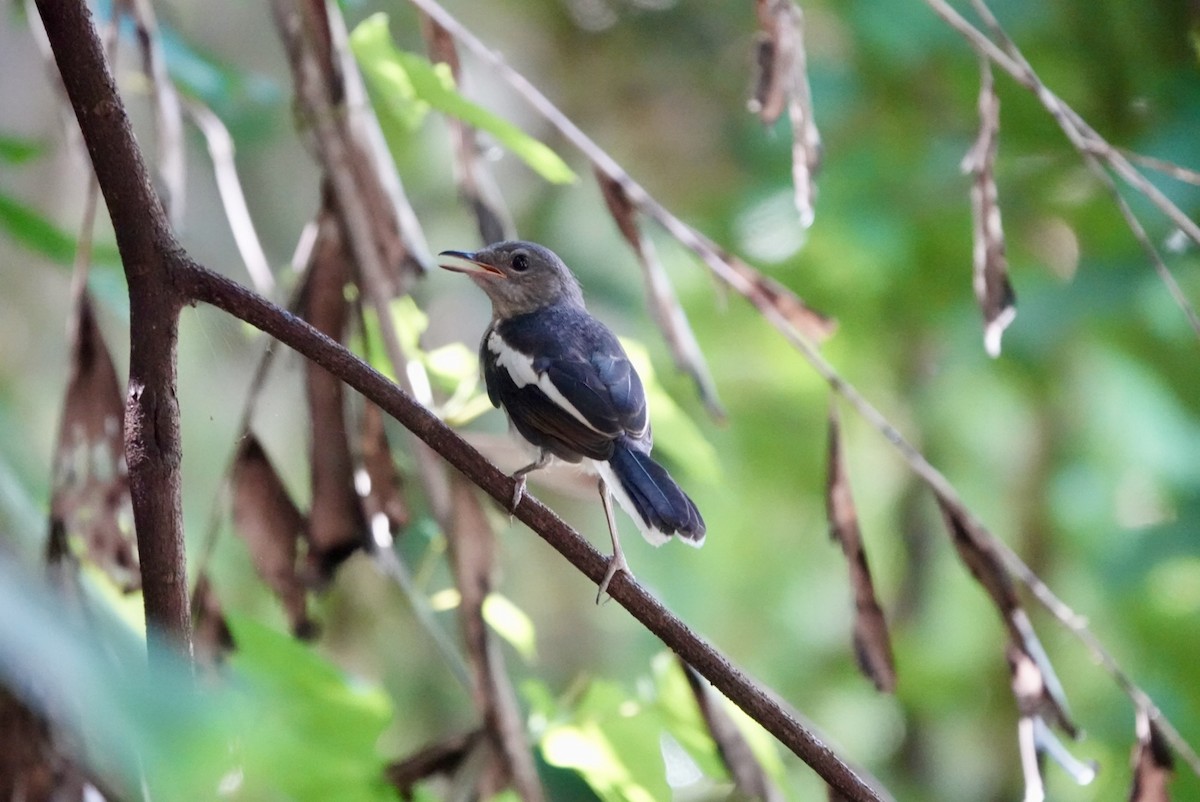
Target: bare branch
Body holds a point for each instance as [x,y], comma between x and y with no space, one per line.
[168,114]
[229,186]
[152,444]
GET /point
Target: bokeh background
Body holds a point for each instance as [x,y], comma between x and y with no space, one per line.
[1079,446]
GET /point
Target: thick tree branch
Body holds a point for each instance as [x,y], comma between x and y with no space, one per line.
[152,443]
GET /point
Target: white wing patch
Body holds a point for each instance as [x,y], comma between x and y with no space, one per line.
[520,369]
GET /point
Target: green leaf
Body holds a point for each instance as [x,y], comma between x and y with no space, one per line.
[313,731]
[608,737]
[452,365]
[410,322]
[682,715]
[388,80]
[585,749]
[511,623]
[37,233]
[18,150]
[405,80]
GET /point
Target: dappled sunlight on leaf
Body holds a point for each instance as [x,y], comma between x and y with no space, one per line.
[407,77]
[511,623]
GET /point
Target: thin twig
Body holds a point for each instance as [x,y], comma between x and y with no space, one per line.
[168,113]
[229,186]
[1163,166]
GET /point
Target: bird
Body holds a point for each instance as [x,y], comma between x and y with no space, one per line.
[570,391]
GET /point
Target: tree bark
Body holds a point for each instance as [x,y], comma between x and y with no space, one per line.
[148,253]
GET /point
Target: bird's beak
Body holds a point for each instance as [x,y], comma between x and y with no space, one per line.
[469,263]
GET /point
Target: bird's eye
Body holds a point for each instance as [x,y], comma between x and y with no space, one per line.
[520,263]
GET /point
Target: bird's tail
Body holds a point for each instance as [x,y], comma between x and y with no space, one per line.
[648,493]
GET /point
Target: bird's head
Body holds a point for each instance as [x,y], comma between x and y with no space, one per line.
[519,277]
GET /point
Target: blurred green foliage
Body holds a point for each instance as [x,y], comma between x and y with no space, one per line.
[1079,446]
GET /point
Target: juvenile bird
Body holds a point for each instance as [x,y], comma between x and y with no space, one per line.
[570,391]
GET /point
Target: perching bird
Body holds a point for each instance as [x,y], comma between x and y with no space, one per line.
[570,391]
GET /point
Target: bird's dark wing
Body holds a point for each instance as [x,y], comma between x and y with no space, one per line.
[542,421]
[586,394]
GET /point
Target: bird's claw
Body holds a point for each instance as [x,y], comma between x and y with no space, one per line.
[518,493]
[616,563]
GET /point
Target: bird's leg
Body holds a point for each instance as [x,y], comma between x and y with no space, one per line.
[519,476]
[617,561]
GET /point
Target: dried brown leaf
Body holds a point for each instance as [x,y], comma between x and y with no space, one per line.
[783,83]
[776,301]
[269,522]
[1030,688]
[336,526]
[775,51]
[1054,708]
[806,139]
[475,183]
[1032,671]
[1153,763]
[621,207]
[211,636]
[981,558]
[872,645]
[748,775]
[90,494]
[1034,737]
[664,304]
[993,290]
[472,558]
[386,494]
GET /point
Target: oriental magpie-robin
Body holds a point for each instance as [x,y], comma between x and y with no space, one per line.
[570,391]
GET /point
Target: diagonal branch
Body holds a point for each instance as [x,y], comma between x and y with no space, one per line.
[201,284]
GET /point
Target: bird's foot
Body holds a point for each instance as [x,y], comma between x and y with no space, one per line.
[518,493]
[616,563]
